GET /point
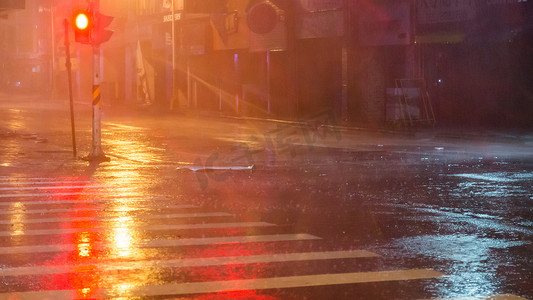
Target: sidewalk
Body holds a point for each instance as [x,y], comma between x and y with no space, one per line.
[427,133]
[436,133]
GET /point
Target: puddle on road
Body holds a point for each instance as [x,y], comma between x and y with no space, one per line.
[498,176]
[473,263]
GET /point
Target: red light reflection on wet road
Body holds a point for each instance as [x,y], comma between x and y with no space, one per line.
[82,274]
[232,272]
[236,295]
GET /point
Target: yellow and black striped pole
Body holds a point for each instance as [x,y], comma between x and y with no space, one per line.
[96,94]
[96,150]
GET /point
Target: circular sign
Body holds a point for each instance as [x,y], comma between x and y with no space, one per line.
[262,17]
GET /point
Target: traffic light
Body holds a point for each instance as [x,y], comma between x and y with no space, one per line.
[90,27]
[83,26]
[100,34]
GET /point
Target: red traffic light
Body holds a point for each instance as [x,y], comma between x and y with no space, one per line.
[90,27]
[81,21]
[83,25]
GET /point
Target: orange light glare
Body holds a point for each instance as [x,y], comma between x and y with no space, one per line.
[82,21]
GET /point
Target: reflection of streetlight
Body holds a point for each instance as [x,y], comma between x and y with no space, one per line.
[84,249]
[84,292]
[83,244]
[17,224]
[123,288]
[122,239]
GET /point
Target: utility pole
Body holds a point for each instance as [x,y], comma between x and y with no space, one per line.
[53,51]
[173,57]
[68,66]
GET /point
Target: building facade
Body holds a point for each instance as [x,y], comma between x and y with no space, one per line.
[372,62]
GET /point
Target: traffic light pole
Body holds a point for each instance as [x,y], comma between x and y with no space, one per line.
[90,28]
[97,154]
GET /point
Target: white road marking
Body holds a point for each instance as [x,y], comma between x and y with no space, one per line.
[60,210]
[59,187]
[111,218]
[148,228]
[237,285]
[22,183]
[114,199]
[123,126]
[8,178]
[43,194]
[27,203]
[164,243]
[215,168]
[188,262]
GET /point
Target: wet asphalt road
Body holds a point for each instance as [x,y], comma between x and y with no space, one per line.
[225,208]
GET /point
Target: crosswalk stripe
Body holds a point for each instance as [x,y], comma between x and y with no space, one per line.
[59,187]
[189,262]
[43,194]
[9,178]
[237,285]
[107,218]
[115,199]
[60,210]
[27,203]
[164,243]
[22,183]
[147,228]
[21,180]
[43,188]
